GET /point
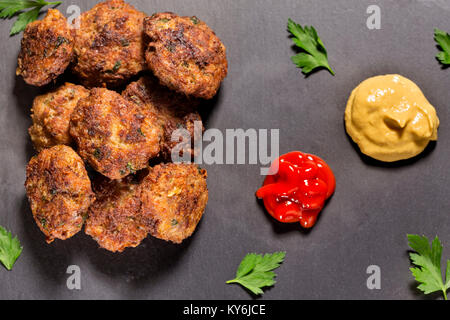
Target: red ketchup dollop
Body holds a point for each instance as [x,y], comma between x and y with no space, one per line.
[298,190]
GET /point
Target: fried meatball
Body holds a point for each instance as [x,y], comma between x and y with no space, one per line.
[115,219]
[46,49]
[185,54]
[174,111]
[117,137]
[51,115]
[109,45]
[174,196]
[59,192]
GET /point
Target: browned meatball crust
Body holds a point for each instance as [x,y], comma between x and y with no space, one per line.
[174,196]
[174,111]
[109,45]
[51,115]
[59,192]
[115,136]
[185,54]
[46,49]
[115,219]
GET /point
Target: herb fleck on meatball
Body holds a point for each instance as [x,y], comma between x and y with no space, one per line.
[185,54]
[46,49]
[59,192]
[51,115]
[109,46]
[115,136]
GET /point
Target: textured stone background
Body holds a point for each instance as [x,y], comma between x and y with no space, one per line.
[366,221]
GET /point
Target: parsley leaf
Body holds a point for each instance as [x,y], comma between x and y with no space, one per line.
[428,264]
[443,40]
[10,8]
[315,55]
[255,271]
[23,20]
[10,248]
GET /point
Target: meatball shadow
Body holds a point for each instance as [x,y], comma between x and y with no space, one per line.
[24,96]
[147,262]
[397,164]
[51,260]
[207,107]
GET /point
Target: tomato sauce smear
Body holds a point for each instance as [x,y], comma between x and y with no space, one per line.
[297,188]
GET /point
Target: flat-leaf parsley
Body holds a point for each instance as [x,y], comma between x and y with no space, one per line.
[10,8]
[10,248]
[443,40]
[255,271]
[314,55]
[428,265]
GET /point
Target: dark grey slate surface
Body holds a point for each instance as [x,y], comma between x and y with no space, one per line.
[366,221]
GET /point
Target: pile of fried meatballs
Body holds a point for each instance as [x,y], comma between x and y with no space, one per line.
[95,144]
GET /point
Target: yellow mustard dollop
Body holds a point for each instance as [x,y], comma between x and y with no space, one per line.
[390,119]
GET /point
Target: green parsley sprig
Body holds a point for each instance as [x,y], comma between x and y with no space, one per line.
[428,265]
[442,38]
[314,55]
[10,248]
[255,271]
[11,8]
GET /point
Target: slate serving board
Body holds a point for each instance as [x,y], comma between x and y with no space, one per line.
[366,221]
